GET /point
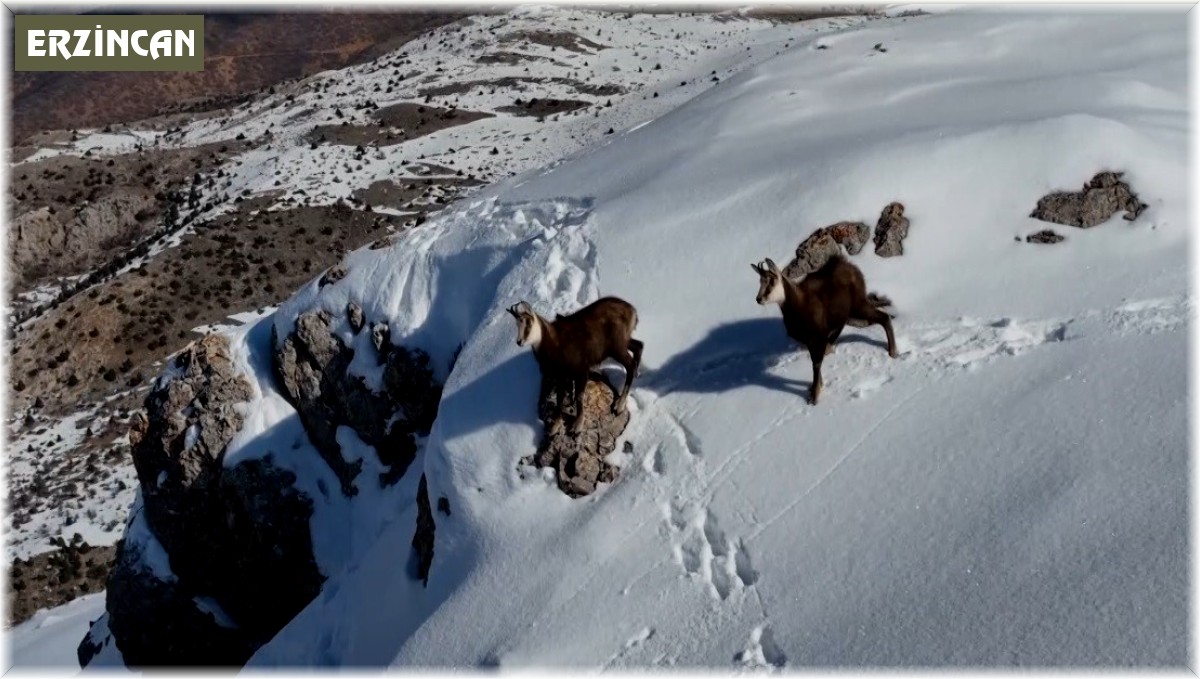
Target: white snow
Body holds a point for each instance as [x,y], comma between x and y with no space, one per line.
[1012,490]
[50,637]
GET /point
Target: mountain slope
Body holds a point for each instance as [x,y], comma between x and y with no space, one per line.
[1011,490]
[280,206]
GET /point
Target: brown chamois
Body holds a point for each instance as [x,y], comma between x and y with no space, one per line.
[816,309]
[568,347]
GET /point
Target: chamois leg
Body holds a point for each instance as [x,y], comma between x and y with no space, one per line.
[817,353]
[833,338]
[631,360]
[578,385]
[873,315]
[560,394]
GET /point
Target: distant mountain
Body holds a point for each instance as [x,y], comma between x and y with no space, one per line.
[243,53]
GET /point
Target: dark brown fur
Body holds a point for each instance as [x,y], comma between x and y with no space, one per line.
[816,309]
[572,345]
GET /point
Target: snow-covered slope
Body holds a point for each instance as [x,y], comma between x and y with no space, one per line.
[627,68]
[1011,490]
[50,637]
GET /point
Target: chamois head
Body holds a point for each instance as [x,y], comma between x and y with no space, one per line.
[529,328]
[770,282]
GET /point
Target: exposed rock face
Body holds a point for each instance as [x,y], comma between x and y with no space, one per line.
[814,251]
[1101,198]
[578,461]
[156,623]
[422,541]
[890,231]
[236,540]
[1047,236]
[850,235]
[312,368]
[238,537]
[355,314]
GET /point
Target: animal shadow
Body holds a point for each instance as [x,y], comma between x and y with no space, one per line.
[732,355]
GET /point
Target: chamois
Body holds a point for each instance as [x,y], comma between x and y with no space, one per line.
[568,347]
[816,309]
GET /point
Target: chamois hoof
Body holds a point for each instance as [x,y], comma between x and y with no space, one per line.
[812,398]
[894,354]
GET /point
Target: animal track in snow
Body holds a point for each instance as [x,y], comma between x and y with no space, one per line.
[970,342]
[706,554]
[653,461]
[762,651]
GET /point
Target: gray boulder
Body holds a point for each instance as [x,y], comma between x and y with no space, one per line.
[238,538]
[890,231]
[578,461]
[825,242]
[1101,198]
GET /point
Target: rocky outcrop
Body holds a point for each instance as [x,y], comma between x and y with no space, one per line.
[422,541]
[578,460]
[1047,236]
[237,539]
[222,557]
[312,366]
[814,251]
[1101,198]
[156,622]
[890,231]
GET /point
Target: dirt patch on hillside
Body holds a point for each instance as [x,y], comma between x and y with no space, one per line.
[543,107]
[512,58]
[413,195]
[73,214]
[398,123]
[567,40]
[53,578]
[109,337]
[520,84]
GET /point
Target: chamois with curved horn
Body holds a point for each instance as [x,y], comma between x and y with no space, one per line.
[816,309]
[568,347]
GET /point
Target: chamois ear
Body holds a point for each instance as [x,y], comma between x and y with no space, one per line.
[771,265]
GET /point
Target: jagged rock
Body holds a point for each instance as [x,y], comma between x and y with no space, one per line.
[333,275]
[890,231]
[811,254]
[156,623]
[443,505]
[825,242]
[850,235]
[312,366]
[422,540]
[239,536]
[354,314]
[381,336]
[1044,236]
[1100,199]
[578,461]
